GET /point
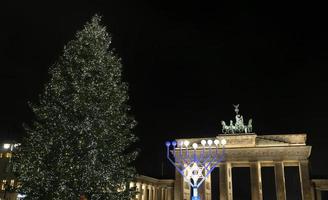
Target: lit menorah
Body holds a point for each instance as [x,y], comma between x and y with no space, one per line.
[194,163]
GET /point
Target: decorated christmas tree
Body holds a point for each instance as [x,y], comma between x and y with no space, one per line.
[79,144]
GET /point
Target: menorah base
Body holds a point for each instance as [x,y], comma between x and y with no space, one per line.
[195,198]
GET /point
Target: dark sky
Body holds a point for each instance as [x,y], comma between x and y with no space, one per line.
[186,65]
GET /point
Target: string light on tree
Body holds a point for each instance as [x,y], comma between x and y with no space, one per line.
[77,146]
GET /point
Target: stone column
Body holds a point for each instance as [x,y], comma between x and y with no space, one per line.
[132,184]
[208,188]
[156,193]
[279,172]
[150,194]
[144,191]
[305,180]
[169,193]
[225,181]
[166,193]
[139,190]
[202,191]
[178,186]
[162,193]
[318,194]
[256,180]
[205,190]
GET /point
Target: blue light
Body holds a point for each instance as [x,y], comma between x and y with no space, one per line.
[194,167]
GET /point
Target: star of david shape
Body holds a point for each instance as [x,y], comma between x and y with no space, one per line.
[194,172]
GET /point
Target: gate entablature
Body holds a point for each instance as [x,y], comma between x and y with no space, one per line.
[251,147]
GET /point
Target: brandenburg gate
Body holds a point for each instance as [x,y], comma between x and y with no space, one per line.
[246,149]
[256,151]
[242,148]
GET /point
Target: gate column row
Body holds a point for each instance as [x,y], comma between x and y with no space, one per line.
[225,182]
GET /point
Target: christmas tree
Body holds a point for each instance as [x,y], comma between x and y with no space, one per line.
[79,143]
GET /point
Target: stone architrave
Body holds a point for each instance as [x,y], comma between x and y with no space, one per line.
[280,180]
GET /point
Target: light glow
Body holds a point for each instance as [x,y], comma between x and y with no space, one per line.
[6,146]
[186,143]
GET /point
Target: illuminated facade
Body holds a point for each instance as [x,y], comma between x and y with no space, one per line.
[7,180]
[153,189]
[241,150]
[255,151]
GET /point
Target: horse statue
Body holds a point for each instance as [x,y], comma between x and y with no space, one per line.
[232,127]
[249,126]
[225,127]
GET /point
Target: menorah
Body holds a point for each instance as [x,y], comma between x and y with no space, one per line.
[194,163]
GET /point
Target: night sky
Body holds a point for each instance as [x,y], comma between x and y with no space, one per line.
[186,64]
